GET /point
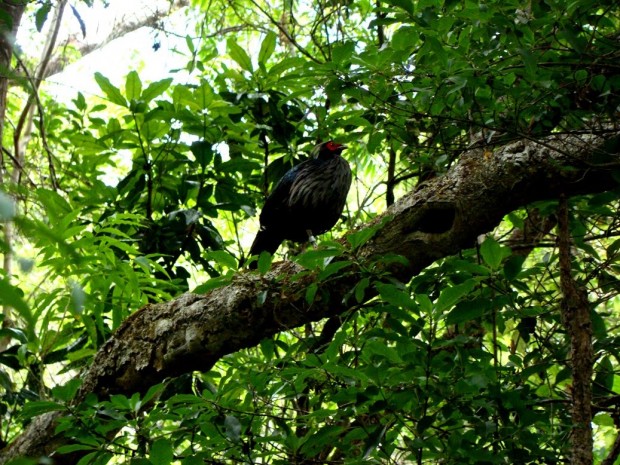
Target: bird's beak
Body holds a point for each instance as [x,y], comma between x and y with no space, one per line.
[342,146]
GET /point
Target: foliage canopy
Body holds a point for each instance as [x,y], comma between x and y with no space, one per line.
[466,363]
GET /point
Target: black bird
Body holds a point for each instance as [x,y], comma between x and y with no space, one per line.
[307,201]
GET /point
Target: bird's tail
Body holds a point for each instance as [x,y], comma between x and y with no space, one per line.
[265,241]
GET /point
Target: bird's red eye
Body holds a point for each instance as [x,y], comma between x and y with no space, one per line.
[331,145]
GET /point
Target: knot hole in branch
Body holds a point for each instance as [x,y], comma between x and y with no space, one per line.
[436,218]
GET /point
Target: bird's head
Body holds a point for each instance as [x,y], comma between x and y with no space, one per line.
[327,149]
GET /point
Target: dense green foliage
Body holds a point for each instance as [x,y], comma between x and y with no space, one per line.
[467,363]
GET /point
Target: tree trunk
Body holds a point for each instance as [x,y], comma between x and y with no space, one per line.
[9,23]
[14,9]
[576,318]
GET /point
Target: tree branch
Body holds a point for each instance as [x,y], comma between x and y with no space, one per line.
[441,217]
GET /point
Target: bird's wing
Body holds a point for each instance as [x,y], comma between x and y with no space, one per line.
[277,202]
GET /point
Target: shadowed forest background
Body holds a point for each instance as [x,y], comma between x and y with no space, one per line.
[464,310]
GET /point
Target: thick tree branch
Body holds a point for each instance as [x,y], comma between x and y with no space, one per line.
[443,216]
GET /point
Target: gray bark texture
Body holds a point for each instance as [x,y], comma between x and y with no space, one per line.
[14,10]
[578,324]
[441,217]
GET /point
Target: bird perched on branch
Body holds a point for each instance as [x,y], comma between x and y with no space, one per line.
[307,201]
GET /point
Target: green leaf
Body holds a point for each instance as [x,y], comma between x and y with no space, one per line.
[6,20]
[189,399]
[12,296]
[317,258]
[405,38]
[467,311]
[121,402]
[214,283]
[78,17]
[581,75]
[238,54]
[425,303]
[80,102]
[264,262]
[513,266]
[333,268]
[133,86]
[530,62]
[604,374]
[41,15]
[13,333]
[137,106]
[406,5]
[189,41]
[396,296]
[267,48]
[222,258]
[33,409]
[359,238]
[451,295]
[155,89]
[203,152]
[96,458]
[153,393]
[67,391]
[315,441]
[374,440]
[311,293]
[342,52]
[493,253]
[112,92]
[360,289]
[75,448]
[267,348]
[161,452]
[603,419]
[377,347]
